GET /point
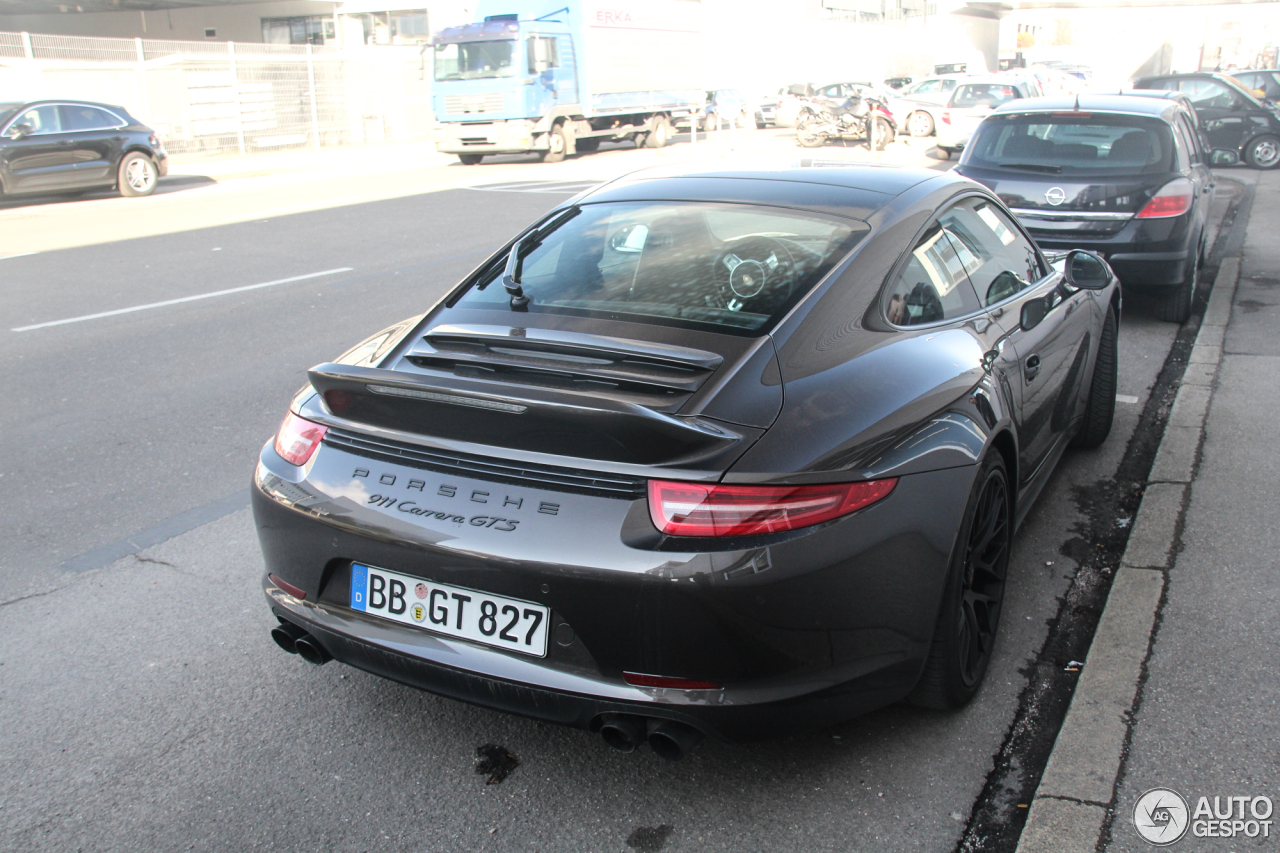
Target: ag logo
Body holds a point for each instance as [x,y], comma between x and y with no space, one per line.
[1055,195]
[1161,816]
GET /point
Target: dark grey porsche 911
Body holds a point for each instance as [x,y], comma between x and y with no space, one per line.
[725,452]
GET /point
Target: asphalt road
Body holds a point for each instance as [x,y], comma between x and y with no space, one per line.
[142,704]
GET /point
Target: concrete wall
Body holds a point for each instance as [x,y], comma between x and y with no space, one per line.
[241,22]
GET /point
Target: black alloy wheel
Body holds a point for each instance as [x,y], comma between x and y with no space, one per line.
[965,634]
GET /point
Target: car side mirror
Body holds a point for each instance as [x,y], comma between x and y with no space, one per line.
[629,240]
[1033,312]
[1224,157]
[1086,270]
[20,130]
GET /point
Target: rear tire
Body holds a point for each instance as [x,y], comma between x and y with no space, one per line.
[1101,406]
[884,134]
[470,159]
[945,153]
[965,633]
[137,175]
[660,135]
[1263,152]
[1174,305]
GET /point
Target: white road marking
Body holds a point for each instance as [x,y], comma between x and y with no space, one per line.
[19,255]
[1126,398]
[180,300]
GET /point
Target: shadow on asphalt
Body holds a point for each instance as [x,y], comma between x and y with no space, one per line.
[174,184]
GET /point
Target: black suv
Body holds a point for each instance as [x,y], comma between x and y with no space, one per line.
[1124,176]
[1231,117]
[71,146]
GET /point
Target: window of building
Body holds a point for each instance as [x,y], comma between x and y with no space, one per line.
[312,29]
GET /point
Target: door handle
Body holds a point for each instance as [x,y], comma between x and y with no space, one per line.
[1031,367]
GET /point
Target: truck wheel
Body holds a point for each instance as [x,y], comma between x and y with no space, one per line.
[660,135]
[556,146]
[470,159]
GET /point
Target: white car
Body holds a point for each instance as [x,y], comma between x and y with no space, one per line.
[922,102]
[971,102]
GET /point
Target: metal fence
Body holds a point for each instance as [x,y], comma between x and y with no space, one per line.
[225,96]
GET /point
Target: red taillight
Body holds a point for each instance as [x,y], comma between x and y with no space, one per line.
[1174,199]
[946,116]
[641,680]
[693,509]
[297,593]
[298,438]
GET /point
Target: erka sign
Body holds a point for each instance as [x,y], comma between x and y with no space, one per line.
[669,15]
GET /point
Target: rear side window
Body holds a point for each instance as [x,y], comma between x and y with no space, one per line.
[1208,94]
[75,117]
[998,259]
[933,285]
[1086,144]
[983,95]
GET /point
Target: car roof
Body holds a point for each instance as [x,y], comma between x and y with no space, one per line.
[1130,104]
[846,189]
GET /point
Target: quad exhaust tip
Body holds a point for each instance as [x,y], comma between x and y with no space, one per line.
[297,641]
[667,738]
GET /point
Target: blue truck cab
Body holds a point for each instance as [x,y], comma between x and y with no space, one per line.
[521,80]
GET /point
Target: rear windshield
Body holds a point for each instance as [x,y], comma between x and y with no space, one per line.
[1068,145]
[731,268]
[983,95]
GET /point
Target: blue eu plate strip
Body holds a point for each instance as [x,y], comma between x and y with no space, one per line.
[359,586]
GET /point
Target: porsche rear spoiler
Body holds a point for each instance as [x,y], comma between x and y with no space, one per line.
[563,422]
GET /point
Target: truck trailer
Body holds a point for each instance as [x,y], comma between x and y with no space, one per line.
[530,76]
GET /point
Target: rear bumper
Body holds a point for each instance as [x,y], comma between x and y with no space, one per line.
[804,632]
[1136,263]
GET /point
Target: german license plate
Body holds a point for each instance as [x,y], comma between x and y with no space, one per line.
[492,620]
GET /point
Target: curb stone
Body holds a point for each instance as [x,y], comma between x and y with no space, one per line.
[1071,802]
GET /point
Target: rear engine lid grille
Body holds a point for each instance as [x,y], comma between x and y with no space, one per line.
[487,468]
[656,376]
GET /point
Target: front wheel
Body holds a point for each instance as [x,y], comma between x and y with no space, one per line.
[920,124]
[556,146]
[1101,406]
[965,634]
[808,133]
[470,159]
[1263,152]
[138,175]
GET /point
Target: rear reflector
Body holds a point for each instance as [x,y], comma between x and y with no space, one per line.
[1174,199]
[298,438]
[946,116]
[640,680]
[693,509]
[288,587]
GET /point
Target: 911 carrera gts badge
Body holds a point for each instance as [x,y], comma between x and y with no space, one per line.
[507,503]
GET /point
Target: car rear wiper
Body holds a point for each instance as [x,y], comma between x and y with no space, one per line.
[1032,167]
[511,274]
